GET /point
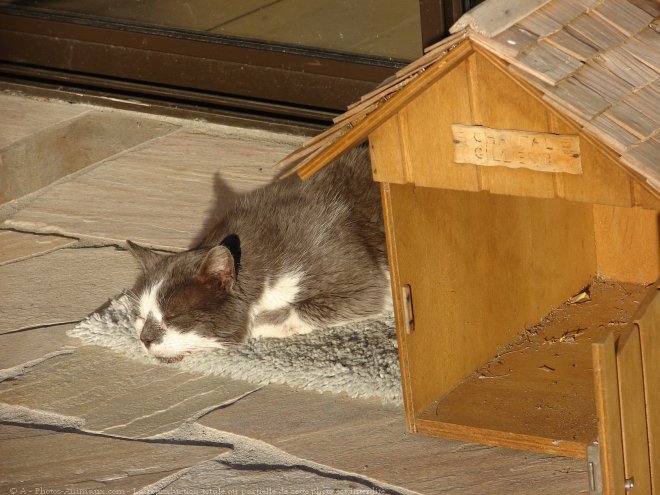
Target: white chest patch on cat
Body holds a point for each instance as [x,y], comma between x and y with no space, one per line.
[277,296]
[280,294]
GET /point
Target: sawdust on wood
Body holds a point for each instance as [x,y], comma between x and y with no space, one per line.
[541,384]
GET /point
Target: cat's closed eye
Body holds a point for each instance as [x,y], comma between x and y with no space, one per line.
[139,323]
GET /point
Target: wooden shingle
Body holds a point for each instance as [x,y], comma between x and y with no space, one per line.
[596,31]
[646,102]
[640,48]
[603,82]
[548,63]
[564,11]
[620,63]
[632,120]
[615,136]
[568,43]
[540,24]
[651,8]
[577,97]
[623,15]
[516,39]
[643,158]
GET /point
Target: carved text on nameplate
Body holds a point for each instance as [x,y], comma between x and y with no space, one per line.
[539,151]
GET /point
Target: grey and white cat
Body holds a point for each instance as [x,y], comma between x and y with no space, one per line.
[287,259]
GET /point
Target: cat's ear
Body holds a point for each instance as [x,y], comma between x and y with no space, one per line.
[218,266]
[145,256]
[233,243]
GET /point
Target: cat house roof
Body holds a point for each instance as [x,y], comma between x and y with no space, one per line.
[594,61]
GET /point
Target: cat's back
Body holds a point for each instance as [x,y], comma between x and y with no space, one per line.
[349,179]
[340,200]
[289,217]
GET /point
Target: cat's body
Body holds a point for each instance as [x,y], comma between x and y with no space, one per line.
[289,258]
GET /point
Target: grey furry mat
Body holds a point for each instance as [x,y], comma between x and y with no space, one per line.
[359,359]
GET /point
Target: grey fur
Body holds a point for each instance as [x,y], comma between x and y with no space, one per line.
[274,317]
[329,228]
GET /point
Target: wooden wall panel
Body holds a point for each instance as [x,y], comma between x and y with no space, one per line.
[387,159]
[602,181]
[644,198]
[428,120]
[627,243]
[482,267]
[498,102]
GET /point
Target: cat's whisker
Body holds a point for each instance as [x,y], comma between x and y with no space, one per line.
[134,300]
[131,295]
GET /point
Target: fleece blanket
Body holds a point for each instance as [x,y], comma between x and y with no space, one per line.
[359,359]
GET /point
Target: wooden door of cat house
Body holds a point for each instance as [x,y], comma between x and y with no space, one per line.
[517,241]
[626,372]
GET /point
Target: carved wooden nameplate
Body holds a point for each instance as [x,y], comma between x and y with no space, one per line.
[539,151]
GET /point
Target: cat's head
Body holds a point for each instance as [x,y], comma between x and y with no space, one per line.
[185,302]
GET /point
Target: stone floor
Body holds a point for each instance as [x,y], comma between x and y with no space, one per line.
[82,419]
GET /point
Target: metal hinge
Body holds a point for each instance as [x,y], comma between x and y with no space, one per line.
[596,474]
[593,468]
[408,317]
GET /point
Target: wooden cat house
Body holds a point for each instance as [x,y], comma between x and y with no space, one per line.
[519,168]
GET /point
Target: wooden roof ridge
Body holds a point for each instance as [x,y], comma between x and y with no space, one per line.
[609,85]
[358,111]
[492,17]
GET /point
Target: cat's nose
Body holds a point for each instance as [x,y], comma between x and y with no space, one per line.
[150,334]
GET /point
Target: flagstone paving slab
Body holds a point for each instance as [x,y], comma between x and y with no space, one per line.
[37,461]
[161,194]
[254,467]
[16,246]
[59,150]
[219,479]
[23,117]
[370,439]
[115,395]
[21,347]
[63,286]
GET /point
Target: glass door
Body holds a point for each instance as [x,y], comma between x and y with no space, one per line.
[375,28]
[296,59]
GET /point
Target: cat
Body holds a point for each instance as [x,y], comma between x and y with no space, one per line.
[287,259]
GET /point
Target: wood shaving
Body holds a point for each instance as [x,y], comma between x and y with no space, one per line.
[582,297]
[569,337]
